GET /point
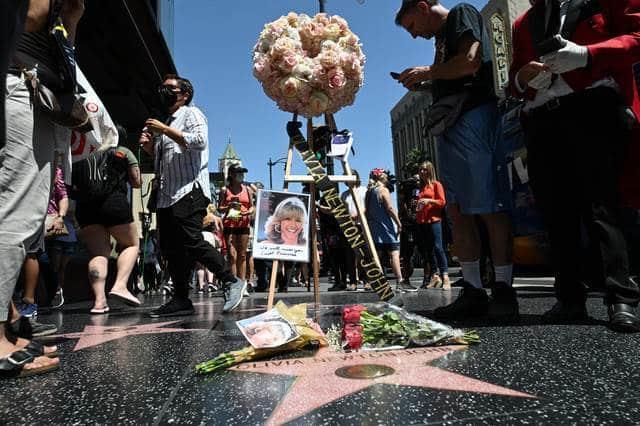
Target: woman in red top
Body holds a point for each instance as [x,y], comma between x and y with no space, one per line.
[431,201]
[236,204]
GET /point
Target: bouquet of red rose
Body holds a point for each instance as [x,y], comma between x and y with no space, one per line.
[382,326]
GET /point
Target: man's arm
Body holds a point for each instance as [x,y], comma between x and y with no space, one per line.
[466,62]
[195,133]
[388,205]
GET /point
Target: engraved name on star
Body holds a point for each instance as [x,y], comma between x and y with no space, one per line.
[316,383]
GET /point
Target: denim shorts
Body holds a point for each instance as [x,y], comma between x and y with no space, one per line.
[388,247]
[472,161]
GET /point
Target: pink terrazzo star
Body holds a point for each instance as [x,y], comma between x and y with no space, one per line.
[317,384]
[94,335]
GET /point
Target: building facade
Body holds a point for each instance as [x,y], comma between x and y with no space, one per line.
[407,122]
[408,115]
[165,11]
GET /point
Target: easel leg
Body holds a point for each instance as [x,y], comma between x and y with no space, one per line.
[331,122]
[315,261]
[272,284]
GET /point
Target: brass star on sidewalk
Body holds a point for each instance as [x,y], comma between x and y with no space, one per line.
[94,335]
[318,383]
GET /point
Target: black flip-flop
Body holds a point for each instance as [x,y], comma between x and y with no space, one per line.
[36,349]
[12,366]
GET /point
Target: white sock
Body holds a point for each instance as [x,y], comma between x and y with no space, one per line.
[504,274]
[471,273]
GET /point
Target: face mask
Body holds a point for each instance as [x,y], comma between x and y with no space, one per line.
[167,96]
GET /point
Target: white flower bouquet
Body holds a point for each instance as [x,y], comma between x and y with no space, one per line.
[309,66]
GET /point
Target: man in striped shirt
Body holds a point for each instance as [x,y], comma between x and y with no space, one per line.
[181,154]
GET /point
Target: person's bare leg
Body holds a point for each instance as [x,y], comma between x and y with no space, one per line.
[500,237]
[466,242]
[249,267]
[127,238]
[231,251]
[241,242]
[501,240]
[395,264]
[201,273]
[31,273]
[96,239]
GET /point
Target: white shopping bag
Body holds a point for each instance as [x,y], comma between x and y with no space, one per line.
[104,134]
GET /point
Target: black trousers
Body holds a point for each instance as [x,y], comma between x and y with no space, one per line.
[182,244]
[574,153]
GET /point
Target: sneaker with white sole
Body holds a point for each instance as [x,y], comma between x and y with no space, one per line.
[233,294]
[28,310]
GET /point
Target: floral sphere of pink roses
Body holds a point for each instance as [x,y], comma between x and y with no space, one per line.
[310,66]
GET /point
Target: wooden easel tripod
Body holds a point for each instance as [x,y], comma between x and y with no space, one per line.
[347,178]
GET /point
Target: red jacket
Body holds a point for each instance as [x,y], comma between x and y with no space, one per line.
[611,31]
[431,212]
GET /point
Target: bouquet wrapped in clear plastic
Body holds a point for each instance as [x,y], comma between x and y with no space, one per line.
[381,326]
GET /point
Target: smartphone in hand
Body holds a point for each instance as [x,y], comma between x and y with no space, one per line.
[394,75]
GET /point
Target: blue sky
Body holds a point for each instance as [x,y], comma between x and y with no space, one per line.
[213,46]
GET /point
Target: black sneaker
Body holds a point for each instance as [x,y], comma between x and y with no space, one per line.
[39,329]
[338,287]
[503,302]
[472,302]
[29,327]
[405,286]
[173,308]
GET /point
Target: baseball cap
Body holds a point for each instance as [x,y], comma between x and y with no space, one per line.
[237,168]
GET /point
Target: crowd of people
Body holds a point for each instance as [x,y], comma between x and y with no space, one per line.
[580,100]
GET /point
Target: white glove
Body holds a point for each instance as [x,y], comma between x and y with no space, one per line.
[542,81]
[570,57]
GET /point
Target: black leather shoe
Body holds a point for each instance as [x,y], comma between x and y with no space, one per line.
[622,318]
[472,302]
[503,303]
[565,312]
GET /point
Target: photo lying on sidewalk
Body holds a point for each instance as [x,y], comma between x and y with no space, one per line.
[267,330]
[282,226]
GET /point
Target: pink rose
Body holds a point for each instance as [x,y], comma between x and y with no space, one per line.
[289,60]
[336,78]
[289,87]
[335,19]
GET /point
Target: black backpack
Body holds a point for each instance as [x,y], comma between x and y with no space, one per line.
[95,177]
